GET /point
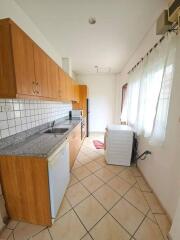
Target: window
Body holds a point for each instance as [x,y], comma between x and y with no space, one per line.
[149,89]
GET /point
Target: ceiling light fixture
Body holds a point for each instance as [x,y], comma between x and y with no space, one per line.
[92,20]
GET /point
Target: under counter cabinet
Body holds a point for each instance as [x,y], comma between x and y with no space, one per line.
[25,187]
[17,76]
[74,143]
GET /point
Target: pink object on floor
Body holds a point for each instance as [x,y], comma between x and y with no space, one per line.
[98,144]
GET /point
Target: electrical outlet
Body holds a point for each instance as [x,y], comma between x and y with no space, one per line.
[5,108]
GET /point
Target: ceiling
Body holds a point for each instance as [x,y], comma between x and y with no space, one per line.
[120,27]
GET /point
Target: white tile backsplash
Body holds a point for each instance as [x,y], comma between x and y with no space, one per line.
[21,115]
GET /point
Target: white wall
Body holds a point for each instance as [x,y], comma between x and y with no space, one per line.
[101,99]
[10,9]
[175,229]
[162,168]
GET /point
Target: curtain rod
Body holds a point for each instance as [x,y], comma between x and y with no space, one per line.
[150,50]
[155,45]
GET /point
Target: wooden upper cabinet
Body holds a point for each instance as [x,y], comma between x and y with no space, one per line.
[22,47]
[53,78]
[7,83]
[82,104]
[62,86]
[26,71]
[40,63]
[76,92]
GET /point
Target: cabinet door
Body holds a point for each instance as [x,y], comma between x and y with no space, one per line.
[52,74]
[40,61]
[82,105]
[62,93]
[23,61]
[74,144]
[7,80]
[68,87]
[76,92]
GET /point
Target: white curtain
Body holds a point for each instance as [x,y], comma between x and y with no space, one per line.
[148,94]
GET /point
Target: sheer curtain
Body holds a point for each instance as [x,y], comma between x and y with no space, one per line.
[148,95]
[160,123]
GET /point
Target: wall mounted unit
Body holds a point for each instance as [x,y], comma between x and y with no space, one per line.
[173,10]
[163,24]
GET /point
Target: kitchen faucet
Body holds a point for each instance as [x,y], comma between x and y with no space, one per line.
[53,123]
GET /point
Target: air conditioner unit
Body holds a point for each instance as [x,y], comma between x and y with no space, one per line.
[173,10]
[163,25]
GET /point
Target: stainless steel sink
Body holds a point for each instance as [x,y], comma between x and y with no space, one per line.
[57,130]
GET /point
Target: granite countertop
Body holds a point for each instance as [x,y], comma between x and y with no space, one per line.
[40,144]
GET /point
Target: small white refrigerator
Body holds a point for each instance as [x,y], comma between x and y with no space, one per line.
[118,144]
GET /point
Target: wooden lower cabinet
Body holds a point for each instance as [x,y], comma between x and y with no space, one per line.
[25,184]
[74,144]
[26,189]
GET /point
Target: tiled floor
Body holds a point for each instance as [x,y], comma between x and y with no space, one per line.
[102,202]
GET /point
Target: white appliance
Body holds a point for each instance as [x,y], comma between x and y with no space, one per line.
[59,175]
[118,145]
[77,113]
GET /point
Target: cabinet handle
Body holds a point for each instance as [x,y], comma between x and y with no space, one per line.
[34,91]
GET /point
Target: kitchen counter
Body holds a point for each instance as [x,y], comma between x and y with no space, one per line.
[40,144]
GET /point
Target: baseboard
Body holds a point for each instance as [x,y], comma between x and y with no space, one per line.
[169,236]
[96,132]
[170,220]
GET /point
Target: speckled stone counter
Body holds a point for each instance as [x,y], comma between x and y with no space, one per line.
[39,144]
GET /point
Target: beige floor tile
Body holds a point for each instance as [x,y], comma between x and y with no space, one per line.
[81,172]
[5,234]
[104,174]
[143,185]
[76,164]
[119,185]
[101,161]
[44,235]
[87,237]
[25,230]
[153,203]
[106,196]
[10,237]
[151,216]
[127,215]
[148,231]
[92,183]
[137,186]
[12,224]
[136,197]
[108,229]
[136,171]
[163,223]
[76,193]
[115,169]
[93,166]
[73,180]
[128,176]
[83,158]
[93,155]
[68,228]
[90,212]
[64,208]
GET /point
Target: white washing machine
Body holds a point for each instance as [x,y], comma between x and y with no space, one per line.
[118,144]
